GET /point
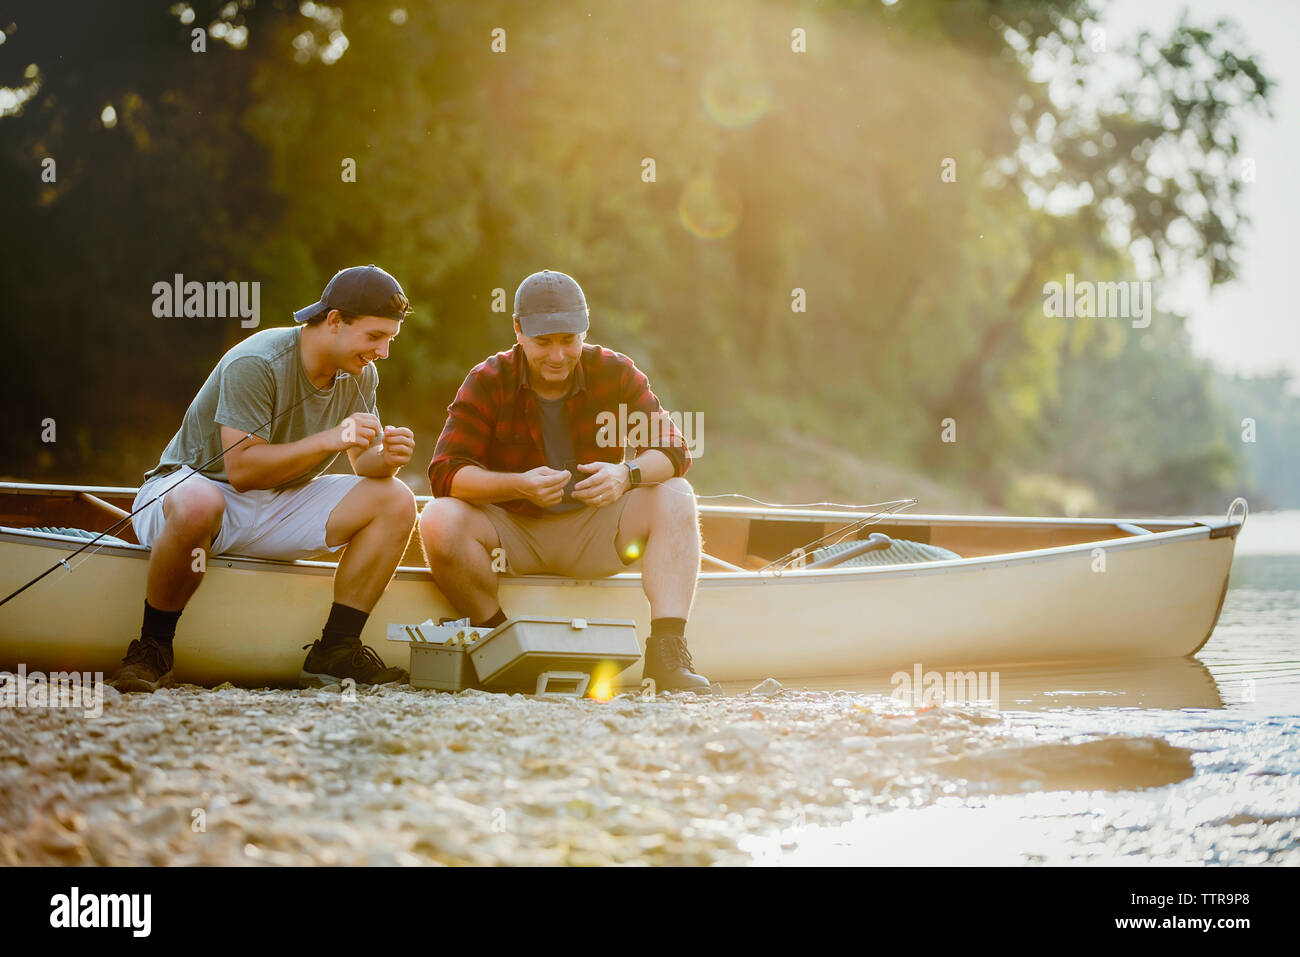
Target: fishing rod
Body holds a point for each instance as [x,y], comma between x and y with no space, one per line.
[63,562]
[891,508]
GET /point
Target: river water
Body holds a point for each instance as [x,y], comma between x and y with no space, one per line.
[1234,710]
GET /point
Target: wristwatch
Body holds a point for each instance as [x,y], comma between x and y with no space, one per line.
[633,473]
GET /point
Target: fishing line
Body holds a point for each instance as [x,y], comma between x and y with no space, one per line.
[789,557]
[902,502]
[361,395]
[891,507]
[369,411]
[63,563]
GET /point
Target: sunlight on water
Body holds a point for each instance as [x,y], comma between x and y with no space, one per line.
[1234,709]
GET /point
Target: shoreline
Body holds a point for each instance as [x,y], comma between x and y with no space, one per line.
[399,776]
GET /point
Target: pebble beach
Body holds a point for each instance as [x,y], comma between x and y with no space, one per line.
[398,776]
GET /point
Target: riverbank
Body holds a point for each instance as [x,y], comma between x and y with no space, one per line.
[399,776]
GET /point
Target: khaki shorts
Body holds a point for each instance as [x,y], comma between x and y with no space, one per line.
[577,544]
[261,523]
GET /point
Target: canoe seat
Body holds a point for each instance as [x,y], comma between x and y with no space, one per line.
[79,533]
[900,552]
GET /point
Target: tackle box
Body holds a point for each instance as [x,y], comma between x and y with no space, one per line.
[440,654]
[555,655]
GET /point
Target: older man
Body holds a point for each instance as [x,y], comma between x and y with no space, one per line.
[526,464]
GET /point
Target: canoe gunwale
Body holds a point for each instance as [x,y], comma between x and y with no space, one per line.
[750,512]
[706,579]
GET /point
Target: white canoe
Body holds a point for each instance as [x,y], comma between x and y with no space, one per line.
[1026,591]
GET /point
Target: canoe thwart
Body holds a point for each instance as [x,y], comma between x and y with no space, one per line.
[1132,529]
[99,503]
[719,563]
[103,506]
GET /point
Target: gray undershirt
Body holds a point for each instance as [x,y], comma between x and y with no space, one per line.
[557,439]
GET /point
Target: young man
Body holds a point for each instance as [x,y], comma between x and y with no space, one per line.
[523,465]
[281,405]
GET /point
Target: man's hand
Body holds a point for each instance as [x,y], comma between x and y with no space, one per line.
[357,431]
[543,486]
[399,446]
[605,484]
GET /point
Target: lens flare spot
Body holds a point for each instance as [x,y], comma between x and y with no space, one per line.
[601,687]
[735,96]
[632,552]
[709,209]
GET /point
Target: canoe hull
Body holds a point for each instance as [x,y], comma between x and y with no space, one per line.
[1159,595]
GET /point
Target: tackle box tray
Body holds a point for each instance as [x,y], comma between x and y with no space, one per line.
[435,663]
[537,654]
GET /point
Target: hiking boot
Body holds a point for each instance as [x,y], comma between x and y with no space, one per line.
[668,663]
[326,667]
[146,667]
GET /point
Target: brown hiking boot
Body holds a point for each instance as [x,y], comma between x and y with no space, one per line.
[326,667]
[146,667]
[668,663]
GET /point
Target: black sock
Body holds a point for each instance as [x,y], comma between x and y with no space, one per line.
[159,625]
[498,619]
[344,625]
[667,627]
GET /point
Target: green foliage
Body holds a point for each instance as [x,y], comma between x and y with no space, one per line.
[774,171]
[1164,447]
[1263,420]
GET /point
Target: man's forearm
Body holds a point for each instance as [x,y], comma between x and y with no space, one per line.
[371,464]
[478,486]
[266,465]
[655,466]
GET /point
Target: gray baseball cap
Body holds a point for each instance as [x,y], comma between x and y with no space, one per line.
[548,303]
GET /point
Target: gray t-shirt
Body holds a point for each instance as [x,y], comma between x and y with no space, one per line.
[263,377]
[557,439]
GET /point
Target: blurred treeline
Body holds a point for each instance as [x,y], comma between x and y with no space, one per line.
[774,170]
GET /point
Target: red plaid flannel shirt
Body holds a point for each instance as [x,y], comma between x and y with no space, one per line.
[495,423]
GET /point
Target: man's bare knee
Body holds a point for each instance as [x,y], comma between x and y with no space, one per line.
[675,500]
[194,511]
[444,524]
[398,501]
[387,498]
[449,525]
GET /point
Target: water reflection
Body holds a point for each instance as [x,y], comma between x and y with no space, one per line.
[1240,806]
[1157,683]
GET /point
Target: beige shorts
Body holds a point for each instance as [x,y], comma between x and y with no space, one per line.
[261,523]
[577,544]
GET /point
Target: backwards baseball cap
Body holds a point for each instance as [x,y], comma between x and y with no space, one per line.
[549,302]
[363,290]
